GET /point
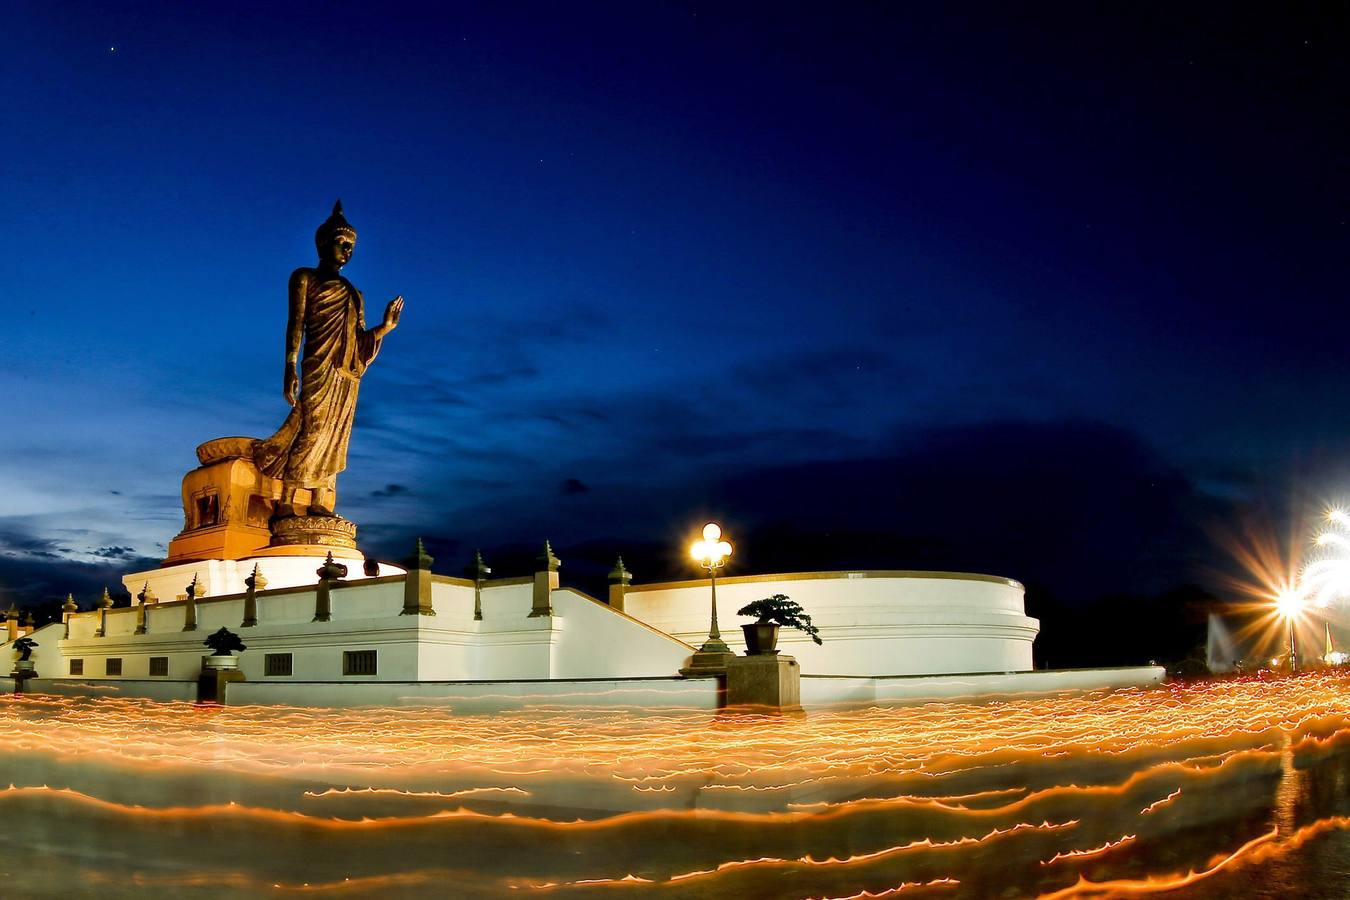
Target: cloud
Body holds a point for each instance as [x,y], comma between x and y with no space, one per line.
[14,542]
[390,490]
[35,581]
[499,376]
[115,552]
[1082,507]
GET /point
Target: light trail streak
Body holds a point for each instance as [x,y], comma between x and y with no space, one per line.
[399,792]
[1158,884]
[900,888]
[682,802]
[1095,851]
[919,845]
[1163,802]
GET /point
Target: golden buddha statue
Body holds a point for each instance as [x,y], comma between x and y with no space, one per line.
[327,319]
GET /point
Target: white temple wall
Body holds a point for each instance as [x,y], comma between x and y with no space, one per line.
[819,691]
[448,648]
[600,642]
[365,617]
[46,655]
[508,602]
[508,643]
[582,639]
[871,623]
[454,600]
[488,696]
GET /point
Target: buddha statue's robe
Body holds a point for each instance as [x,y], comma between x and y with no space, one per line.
[310,448]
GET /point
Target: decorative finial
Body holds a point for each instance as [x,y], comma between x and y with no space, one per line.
[420,559]
[478,569]
[619,574]
[546,559]
[256,580]
[106,601]
[69,605]
[330,570]
[146,595]
[28,619]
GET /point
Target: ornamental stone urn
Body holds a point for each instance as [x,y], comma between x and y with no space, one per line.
[221,663]
[227,647]
[761,638]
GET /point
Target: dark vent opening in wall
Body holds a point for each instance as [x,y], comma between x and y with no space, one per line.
[358,662]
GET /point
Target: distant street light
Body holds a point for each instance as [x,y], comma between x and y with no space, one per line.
[712,553]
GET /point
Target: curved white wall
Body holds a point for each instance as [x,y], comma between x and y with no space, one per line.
[871,623]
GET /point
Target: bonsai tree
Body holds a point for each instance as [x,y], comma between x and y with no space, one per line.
[24,647]
[779,610]
[224,642]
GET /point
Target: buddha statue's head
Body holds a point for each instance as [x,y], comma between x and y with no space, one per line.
[335,239]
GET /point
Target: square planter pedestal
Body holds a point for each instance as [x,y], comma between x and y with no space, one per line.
[217,672]
[767,681]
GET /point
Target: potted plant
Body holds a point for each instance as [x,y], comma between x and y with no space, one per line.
[225,646]
[24,647]
[772,613]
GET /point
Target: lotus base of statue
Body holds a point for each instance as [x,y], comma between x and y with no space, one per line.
[314,531]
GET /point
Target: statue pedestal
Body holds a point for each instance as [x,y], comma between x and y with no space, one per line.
[314,531]
[227,503]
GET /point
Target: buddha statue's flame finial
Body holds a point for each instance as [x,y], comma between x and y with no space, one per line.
[334,225]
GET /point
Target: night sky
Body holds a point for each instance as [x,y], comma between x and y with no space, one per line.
[1050,292]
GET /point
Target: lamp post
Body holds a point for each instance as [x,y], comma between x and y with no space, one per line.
[711,553]
[1289,605]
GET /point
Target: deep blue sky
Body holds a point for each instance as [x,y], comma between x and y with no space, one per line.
[1042,291]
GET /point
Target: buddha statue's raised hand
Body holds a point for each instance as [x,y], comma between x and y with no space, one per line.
[392,312]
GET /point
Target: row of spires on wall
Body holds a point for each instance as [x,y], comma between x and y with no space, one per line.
[329,572]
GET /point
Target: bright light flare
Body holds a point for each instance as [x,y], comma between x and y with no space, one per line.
[1289,604]
[711,550]
[1325,581]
